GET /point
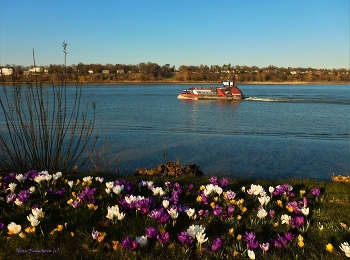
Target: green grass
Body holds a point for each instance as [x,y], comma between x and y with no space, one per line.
[329,217]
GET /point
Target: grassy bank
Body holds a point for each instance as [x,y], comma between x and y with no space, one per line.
[141,217]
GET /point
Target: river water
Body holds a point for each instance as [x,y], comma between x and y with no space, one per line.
[277,131]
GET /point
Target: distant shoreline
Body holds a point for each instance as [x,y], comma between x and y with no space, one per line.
[191,83]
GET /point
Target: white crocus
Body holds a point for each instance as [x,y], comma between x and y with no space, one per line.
[262,213]
[118,189]
[285,219]
[165,203]
[345,248]
[37,212]
[110,184]
[305,211]
[70,183]
[87,179]
[32,189]
[200,236]
[121,216]
[173,213]
[251,254]
[191,212]
[13,228]
[271,189]
[264,200]
[143,241]
[218,190]
[158,191]
[18,202]
[56,176]
[20,177]
[12,187]
[33,220]
[256,190]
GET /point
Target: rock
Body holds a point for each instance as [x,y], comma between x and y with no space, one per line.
[172,169]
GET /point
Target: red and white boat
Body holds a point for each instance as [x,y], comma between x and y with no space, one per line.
[228,91]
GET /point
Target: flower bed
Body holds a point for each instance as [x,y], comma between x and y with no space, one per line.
[142,219]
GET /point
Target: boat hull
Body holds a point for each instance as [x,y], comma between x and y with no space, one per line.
[199,97]
[228,91]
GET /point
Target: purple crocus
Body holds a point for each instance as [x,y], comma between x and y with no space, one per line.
[250,239]
[10,198]
[185,238]
[272,214]
[264,247]
[304,202]
[217,243]
[151,232]
[190,187]
[298,221]
[87,195]
[276,243]
[130,244]
[295,207]
[95,235]
[23,195]
[75,204]
[223,183]
[163,238]
[230,195]
[2,225]
[161,215]
[289,236]
[230,210]
[214,180]
[217,211]
[316,192]
[283,241]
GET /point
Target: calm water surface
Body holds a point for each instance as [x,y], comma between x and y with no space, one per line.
[278,131]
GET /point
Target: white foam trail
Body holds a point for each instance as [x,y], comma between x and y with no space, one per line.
[262,99]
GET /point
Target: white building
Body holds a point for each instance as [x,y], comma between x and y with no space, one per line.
[6,71]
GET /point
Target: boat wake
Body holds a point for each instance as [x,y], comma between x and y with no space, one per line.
[267,99]
[299,100]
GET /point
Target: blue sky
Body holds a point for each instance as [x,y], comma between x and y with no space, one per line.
[298,33]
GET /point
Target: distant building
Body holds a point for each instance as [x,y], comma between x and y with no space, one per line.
[36,71]
[120,71]
[6,71]
[105,71]
[91,71]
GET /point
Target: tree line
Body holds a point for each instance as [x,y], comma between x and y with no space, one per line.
[150,72]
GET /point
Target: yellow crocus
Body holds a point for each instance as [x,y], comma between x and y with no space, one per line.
[115,245]
[239,217]
[300,238]
[301,244]
[101,236]
[302,192]
[289,208]
[243,209]
[92,206]
[231,231]
[329,247]
[202,187]
[239,237]
[30,230]
[199,199]
[279,203]
[212,204]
